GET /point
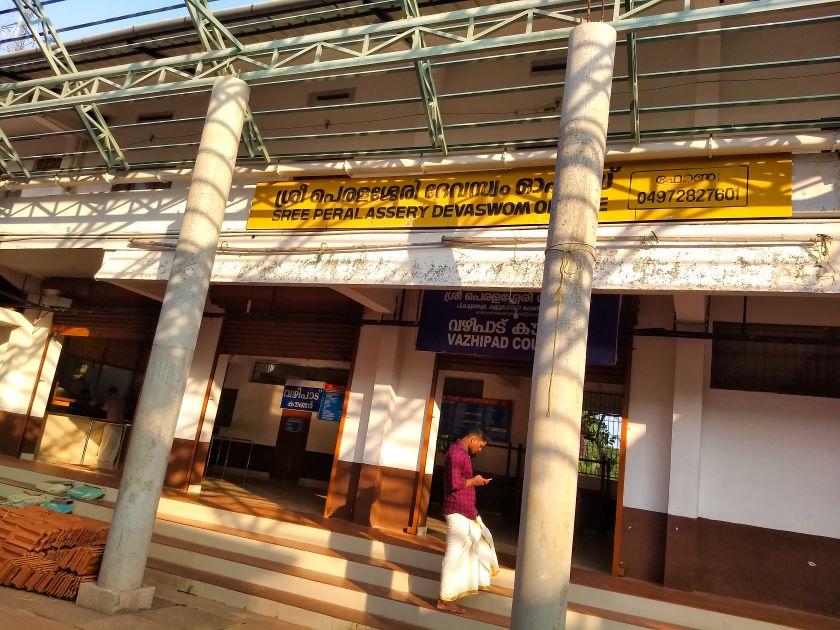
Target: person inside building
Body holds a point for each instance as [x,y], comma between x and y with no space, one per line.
[470,558]
[112,433]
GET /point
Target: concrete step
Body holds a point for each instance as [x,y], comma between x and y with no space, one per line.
[390,605]
[387,589]
[360,575]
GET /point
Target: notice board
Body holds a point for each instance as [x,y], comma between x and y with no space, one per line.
[459,413]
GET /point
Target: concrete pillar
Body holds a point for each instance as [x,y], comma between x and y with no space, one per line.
[121,575]
[684,489]
[550,483]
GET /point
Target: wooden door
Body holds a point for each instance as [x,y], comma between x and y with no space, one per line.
[291,444]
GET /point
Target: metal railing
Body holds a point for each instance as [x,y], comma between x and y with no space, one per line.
[218,441]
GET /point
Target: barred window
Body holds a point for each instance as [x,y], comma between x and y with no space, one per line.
[273,373]
[52,163]
[782,359]
[600,434]
[140,186]
[471,388]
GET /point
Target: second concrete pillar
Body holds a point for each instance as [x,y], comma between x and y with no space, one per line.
[550,484]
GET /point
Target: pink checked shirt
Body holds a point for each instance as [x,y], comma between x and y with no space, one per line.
[457,468]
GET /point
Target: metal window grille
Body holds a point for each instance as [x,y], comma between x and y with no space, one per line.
[601,433]
[473,388]
[48,163]
[782,359]
[272,373]
[141,186]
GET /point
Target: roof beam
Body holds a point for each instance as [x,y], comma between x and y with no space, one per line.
[10,161]
[426,81]
[486,29]
[379,300]
[633,80]
[215,36]
[46,36]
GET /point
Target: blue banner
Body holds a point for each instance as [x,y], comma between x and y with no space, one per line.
[504,324]
[302,398]
[332,405]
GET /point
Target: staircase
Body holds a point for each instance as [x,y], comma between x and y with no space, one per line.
[325,579]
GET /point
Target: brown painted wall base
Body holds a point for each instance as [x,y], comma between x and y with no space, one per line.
[182,470]
[643,544]
[11,428]
[342,492]
[771,566]
[374,496]
[768,565]
[681,553]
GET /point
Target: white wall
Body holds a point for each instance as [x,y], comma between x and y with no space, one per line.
[389,394]
[20,362]
[771,460]
[213,401]
[97,221]
[768,460]
[360,395]
[647,466]
[196,389]
[403,437]
[257,413]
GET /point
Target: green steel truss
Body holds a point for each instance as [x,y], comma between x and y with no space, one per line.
[426,81]
[633,78]
[215,36]
[413,41]
[10,161]
[46,37]
[485,29]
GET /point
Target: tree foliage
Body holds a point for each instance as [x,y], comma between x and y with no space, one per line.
[599,445]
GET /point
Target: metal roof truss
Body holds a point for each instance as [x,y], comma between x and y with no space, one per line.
[46,37]
[215,36]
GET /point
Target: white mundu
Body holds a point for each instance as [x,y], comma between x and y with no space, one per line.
[470,559]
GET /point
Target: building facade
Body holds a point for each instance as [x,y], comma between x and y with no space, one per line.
[327,357]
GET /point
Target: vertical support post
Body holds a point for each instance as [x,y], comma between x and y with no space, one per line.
[551,461]
[127,549]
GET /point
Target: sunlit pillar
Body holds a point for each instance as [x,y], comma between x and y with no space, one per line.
[120,579]
[551,466]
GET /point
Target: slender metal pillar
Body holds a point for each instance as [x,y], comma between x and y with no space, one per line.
[121,575]
[550,483]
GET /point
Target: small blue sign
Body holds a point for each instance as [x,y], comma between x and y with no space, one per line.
[294,425]
[332,405]
[302,398]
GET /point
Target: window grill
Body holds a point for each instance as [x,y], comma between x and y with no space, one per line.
[601,434]
[272,373]
[781,359]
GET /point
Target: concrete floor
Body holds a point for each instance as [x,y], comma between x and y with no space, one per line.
[286,494]
[592,550]
[21,610]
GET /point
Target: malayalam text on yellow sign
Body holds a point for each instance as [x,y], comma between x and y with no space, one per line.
[720,188]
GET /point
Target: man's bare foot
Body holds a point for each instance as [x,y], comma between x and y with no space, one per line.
[450,607]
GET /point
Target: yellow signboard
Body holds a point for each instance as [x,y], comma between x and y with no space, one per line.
[720,188]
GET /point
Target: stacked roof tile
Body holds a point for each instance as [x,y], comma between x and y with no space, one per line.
[48,552]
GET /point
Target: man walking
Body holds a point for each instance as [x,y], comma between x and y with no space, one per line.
[470,558]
